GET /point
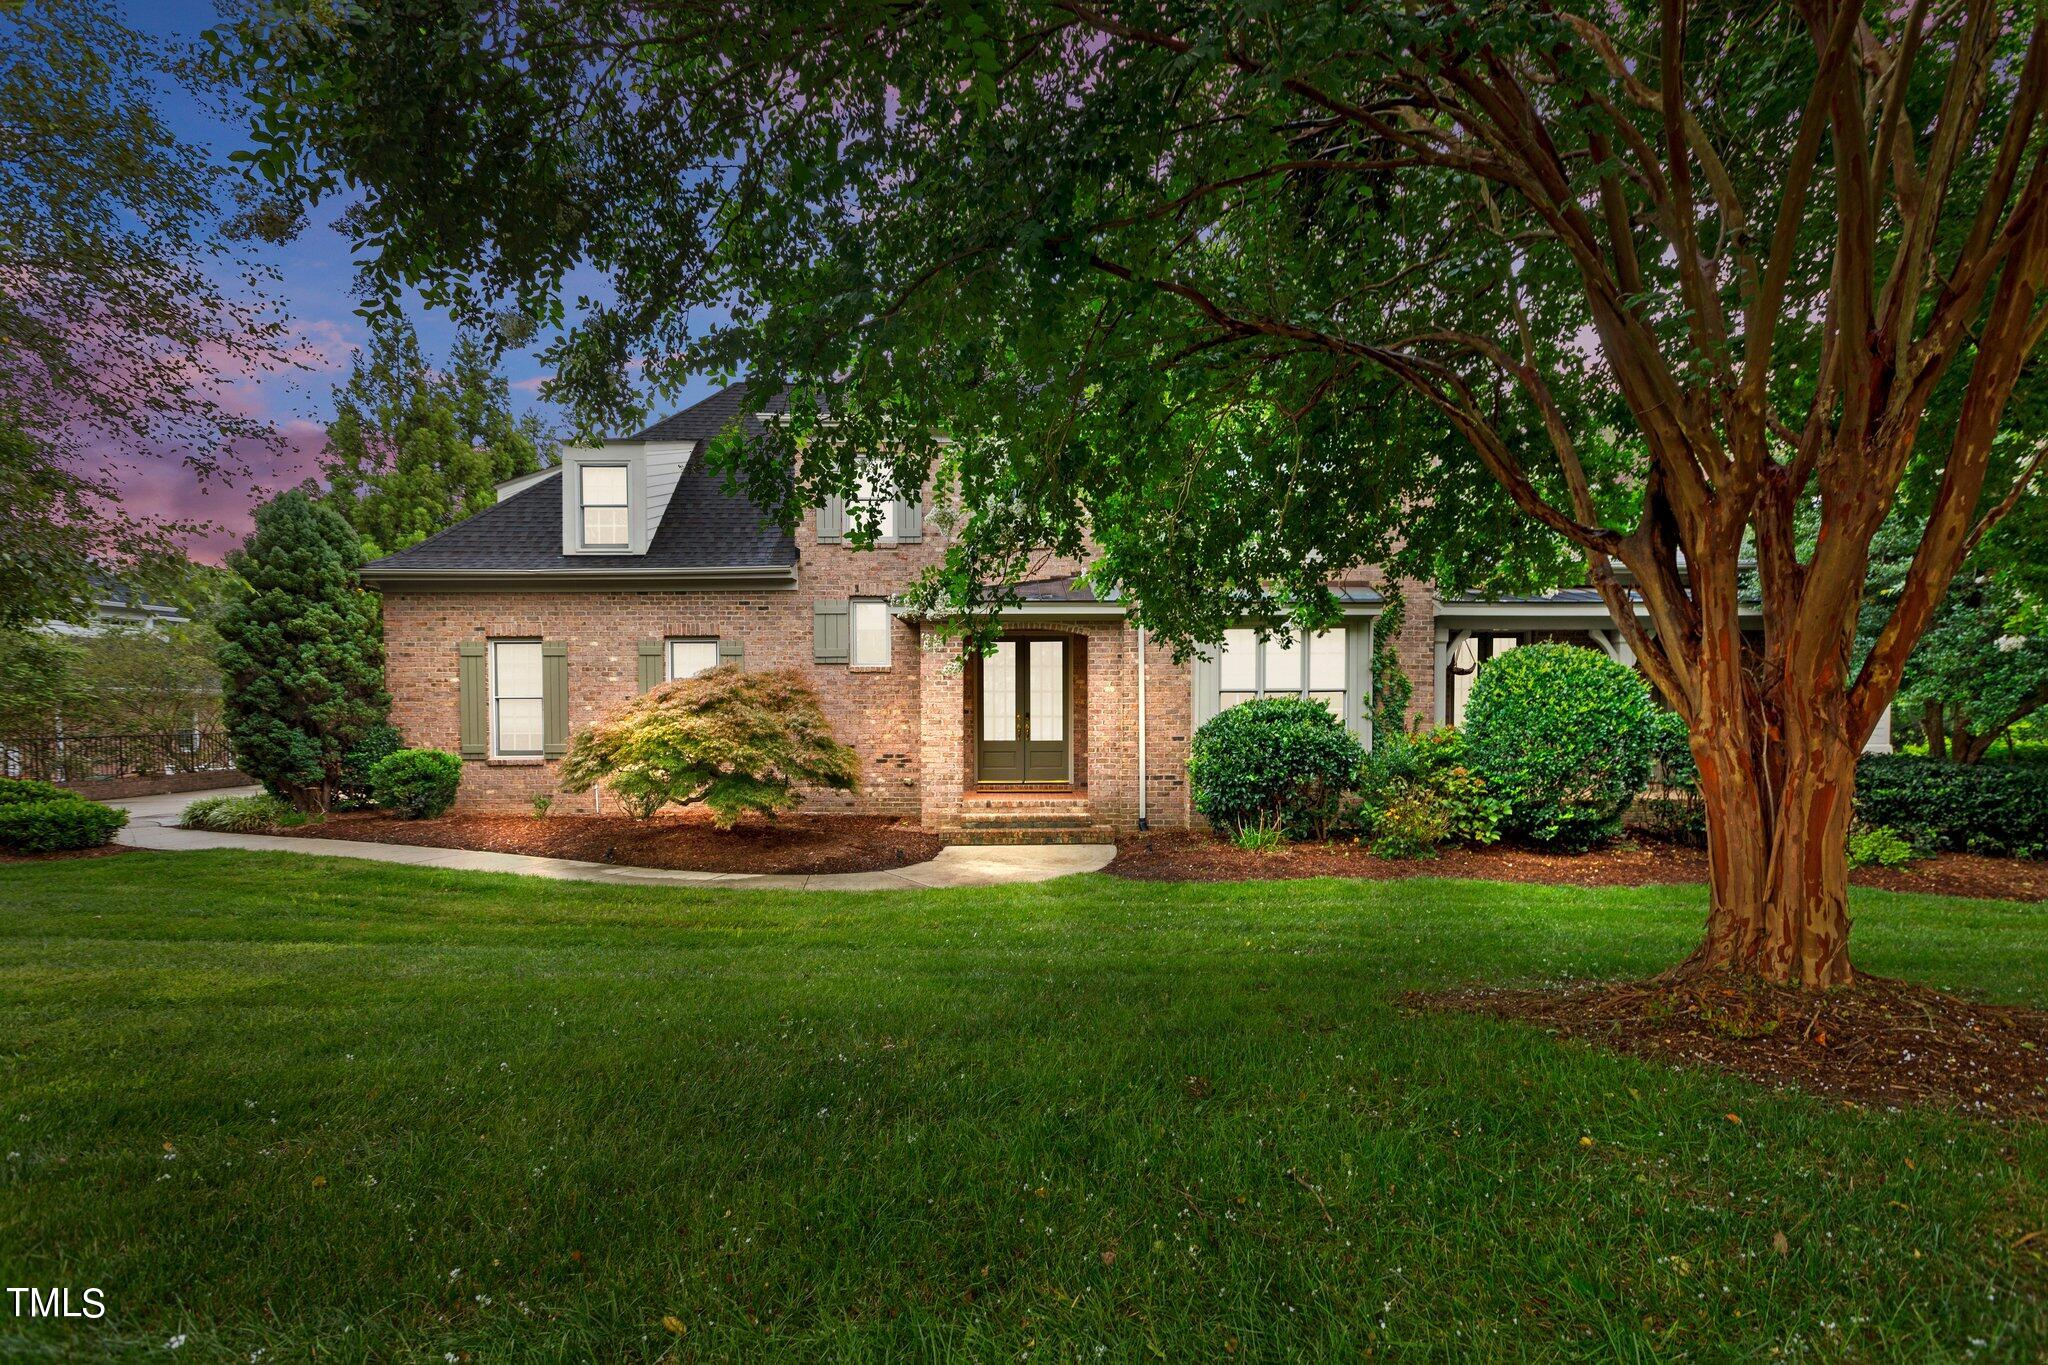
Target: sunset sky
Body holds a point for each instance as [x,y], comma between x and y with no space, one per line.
[315,296]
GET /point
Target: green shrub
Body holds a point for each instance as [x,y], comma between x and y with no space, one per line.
[68,822]
[257,814]
[352,790]
[1282,760]
[543,802]
[1563,737]
[16,789]
[1999,809]
[416,784]
[735,741]
[1429,772]
[1413,824]
[1880,846]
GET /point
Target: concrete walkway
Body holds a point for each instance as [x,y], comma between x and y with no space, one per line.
[153,823]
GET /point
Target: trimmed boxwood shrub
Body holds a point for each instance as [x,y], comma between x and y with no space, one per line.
[416,784]
[241,814]
[1992,808]
[18,789]
[1563,737]
[1281,760]
[51,826]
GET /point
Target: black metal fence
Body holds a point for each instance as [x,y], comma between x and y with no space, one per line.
[105,758]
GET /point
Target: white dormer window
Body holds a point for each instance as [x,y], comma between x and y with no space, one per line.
[605,499]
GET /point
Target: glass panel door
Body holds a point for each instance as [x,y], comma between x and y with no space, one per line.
[1045,734]
[1024,734]
[1002,752]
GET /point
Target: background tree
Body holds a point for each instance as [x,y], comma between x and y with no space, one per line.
[127,303]
[302,651]
[1236,294]
[1982,666]
[413,449]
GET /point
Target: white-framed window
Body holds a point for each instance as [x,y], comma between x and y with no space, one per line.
[870,632]
[1312,667]
[603,493]
[688,658]
[517,722]
[870,494]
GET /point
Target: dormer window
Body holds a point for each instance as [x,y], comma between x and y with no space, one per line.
[606,525]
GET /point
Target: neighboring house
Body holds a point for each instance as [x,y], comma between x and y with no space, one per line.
[630,564]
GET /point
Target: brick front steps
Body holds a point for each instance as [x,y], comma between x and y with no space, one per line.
[1025,818]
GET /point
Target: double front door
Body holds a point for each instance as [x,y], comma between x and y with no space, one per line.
[1025,730]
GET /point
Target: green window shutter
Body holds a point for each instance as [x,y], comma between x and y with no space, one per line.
[909,522]
[1208,687]
[472,681]
[832,521]
[650,665]
[554,691]
[732,652]
[828,631]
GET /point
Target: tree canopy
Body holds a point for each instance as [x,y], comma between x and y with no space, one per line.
[127,302]
[414,449]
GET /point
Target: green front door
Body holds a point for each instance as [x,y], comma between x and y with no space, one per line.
[1025,735]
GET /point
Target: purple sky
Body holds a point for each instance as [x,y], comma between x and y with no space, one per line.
[315,295]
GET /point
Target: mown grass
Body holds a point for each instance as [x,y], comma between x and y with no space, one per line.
[307,1107]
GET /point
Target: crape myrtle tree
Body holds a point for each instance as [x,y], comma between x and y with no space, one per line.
[1234,295]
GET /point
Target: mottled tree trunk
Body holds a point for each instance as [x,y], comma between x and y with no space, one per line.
[1777,849]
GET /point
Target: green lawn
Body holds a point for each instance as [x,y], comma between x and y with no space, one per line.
[300,1106]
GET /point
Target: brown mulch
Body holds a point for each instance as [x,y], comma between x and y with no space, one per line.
[105,851]
[1876,1042]
[1199,857]
[687,839]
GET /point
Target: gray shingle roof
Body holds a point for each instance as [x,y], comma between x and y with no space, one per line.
[703,420]
[705,527]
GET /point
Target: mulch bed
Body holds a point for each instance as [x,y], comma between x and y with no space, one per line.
[795,843]
[1876,1042]
[106,851]
[1200,857]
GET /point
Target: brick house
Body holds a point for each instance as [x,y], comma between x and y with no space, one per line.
[629,564]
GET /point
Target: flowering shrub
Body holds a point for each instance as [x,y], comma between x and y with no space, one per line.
[1419,792]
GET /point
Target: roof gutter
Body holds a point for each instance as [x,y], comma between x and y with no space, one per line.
[768,577]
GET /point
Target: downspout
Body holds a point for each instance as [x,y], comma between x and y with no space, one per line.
[1143,822]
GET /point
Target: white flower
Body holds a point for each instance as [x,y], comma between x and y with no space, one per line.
[175,1342]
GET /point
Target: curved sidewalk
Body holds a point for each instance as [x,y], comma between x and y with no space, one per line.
[152,824]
